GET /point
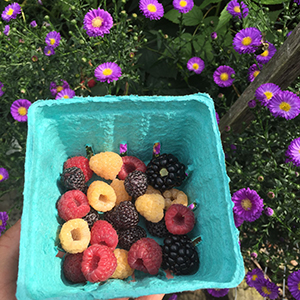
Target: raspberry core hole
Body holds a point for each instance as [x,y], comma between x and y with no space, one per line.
[94,262]
[179,219]
[103,198]
[77,203]
[76,234]
[129,168]
[139,262]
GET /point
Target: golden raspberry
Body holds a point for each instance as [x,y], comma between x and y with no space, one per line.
[101,196]
[75,236]
[175,196]
[119,188]
[106,164]
[151,206]
[152,190]
[123,269]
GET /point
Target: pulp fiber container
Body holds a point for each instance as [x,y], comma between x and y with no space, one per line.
[185,126]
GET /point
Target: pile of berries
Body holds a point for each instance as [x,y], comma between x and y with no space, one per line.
[100,217]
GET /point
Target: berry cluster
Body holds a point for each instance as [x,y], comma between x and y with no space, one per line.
[100,230]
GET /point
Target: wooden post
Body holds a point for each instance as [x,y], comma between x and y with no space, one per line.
[282,69]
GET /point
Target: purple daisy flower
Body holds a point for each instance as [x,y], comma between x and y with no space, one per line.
[52,39]
[253,71]
[266,91]
[1,86]
[253,276]
[156,148]
[266,55]
[195,64]
[6,30]
[297,1]
[266,288]
[108,71]
[293,152]
[247,40]
[269,211]
[252,103]
[293,283]
[237,10]
[48,51]
[19,109]
[3,174]
[33,24]
[11,11]
[3,220]
[223,76]
[285,104]
[238,221]
[123,148]
[253,254]
[217,117]
[214,35]
[218,292]
[151,9]
[183,6]
[55,89]
[97,22]
[247,204]
[65,94]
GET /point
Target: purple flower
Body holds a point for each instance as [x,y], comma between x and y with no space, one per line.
[40,2]
[266,55]
[265,92]
[195,64]
[293,152]
[151,9]
[253,72]
[52,39]
[269,211]
[108,71]
[55,89]
[253,276]
[252,103]
[234,8]
[3,174]
[218,292]
[247,204]
[33,24]
[1,86]
[267,288]
[183,6]
[3,219]
[65,94]
[123,148]
[214,35]
[48,51]
[97,22]
[217,117]
[289,33]
[271,195]
[156,148]
[298,2]
[223,76]
[253,254]
[293,283]
[285,104]
[11,11]
[6,30]
[19,109]
[238,221]
[247,40]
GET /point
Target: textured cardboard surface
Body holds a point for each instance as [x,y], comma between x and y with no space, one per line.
[185,126]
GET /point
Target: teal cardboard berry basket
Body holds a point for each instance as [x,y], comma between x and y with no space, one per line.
[185,126]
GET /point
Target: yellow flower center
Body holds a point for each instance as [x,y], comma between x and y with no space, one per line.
[183,3]
[97,22]
[246,204]
[49,52]
[237,9]
[224,76]
[265,53]
[152,8]
[246,41]
[52,41]
[59,88]
[266,290]
[284,106]
[66,97]
[10,12]
[195,66]
[1,220]
[269,95]
[256,73]
[299,286]
[22,111]
[1,177]
[107,72]
[254,277]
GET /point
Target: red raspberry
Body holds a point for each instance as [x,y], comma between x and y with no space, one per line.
[103,233]
[145,255]
[91,83]
[82,163]
[179,219]
[73,204]
[72,268]
[130,164]
[98,263]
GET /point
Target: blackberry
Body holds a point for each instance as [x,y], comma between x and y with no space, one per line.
[73,179]
[123,216]
[179,255]
[130,236]
[165,172]
[92,217]
[158,229]
[136,183]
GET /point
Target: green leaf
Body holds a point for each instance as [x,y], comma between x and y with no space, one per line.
[192,18]
[269,2]
[225,16]
[207,2]
[173,16]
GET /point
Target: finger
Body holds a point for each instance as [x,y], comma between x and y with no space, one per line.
[151,297]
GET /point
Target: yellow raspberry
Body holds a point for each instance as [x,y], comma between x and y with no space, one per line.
[101,196]
[106,164]
[75,236]
[119,188]
[175,196]
[152,190]
[151,206]
[123,269]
